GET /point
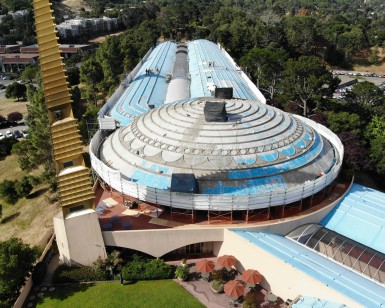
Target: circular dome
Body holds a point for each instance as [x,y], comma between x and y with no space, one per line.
[253,135]
[254,149]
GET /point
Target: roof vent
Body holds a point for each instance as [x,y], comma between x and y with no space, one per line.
[224,93]
[215,112]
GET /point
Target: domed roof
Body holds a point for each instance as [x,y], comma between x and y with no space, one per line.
[258,145]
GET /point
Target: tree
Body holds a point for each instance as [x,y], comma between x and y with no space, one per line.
[356,156]
[301,33]
[14,116]
[16,90]
[340,122]
[29,73]
[16,262]
[375,134]
[307,81]
[367,99]
[266,66]
[35,151]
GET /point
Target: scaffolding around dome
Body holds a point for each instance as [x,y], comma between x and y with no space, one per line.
[239,165]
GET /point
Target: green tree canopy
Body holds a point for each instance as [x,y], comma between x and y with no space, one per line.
[16,262]
[266,67]
[307,81]
[16,90]
[29,73]
[367,99]
[375,134]
[35,151]
[340,122]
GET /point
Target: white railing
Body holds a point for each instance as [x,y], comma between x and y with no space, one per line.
[115,180]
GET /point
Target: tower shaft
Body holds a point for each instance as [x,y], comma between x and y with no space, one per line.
[72,176]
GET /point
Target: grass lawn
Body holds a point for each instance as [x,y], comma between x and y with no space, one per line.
[159,293]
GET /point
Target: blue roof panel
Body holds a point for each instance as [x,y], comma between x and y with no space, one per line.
[360,215]
[209,66]
[149,87]
[352,285]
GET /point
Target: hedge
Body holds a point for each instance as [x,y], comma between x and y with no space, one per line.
[65,274]
[147,270]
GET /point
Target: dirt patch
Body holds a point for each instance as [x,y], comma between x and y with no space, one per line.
[76,5]
[101,39]
[361,61]
[11,105]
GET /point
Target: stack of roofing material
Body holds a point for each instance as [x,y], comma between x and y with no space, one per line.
[178,88]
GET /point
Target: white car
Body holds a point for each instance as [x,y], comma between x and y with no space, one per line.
[24,133]
[1,136]
[8,134]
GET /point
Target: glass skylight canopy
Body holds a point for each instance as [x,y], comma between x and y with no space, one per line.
[342,250]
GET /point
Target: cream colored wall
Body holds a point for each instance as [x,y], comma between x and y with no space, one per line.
[279,277]
[159,242]
[61,238]
[79,238]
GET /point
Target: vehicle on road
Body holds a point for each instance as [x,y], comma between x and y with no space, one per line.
[2,86]
[1,136]
[6,78]
[8,134]
[17,134]
[25,133]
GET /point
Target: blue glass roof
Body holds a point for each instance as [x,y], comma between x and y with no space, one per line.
[209,66]
[352,285]
[149,86]
[360,215]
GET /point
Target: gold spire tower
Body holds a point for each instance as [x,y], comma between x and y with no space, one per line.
[72,176]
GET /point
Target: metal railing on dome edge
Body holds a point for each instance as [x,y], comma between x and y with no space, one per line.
[277,197]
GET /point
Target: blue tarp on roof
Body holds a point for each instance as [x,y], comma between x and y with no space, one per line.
[360,215]
[352,285]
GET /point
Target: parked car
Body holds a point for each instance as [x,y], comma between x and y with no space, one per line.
[17,134]
[6,78]
[8,134]
[2,86]
[1,136]
[25,133]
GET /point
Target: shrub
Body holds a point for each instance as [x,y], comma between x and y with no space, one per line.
[250,300]
[65,274]
[217,275]
[182,272]
[140,269]
[8,191]
[23,187]
[6,145]
[39,272]
[217,286]
[14,116]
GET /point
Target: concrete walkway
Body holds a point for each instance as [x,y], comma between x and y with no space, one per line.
[52,266]
[201,290]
